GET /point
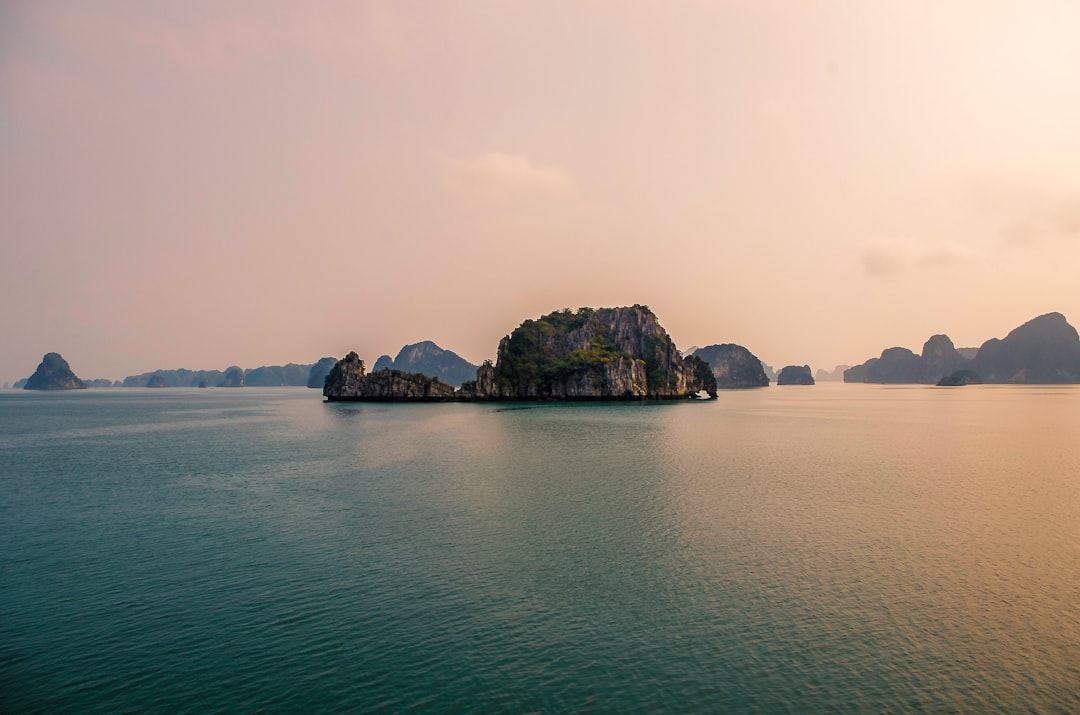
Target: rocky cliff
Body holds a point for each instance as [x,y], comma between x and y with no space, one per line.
[318,372]
[347,380]
[795,375]
[901,366]
[591,354]
[1043,350]
[602,354]
[733,366]
[53,374]
[234,377]
[290,375]
[939,358]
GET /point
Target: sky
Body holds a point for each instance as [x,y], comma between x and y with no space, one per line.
[205,184]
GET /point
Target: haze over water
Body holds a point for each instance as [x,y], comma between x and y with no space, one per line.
[840,548]
[202,184]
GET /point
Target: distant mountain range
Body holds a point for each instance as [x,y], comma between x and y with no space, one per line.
[429,359]
[291,375]
[1044,350]
[54,373]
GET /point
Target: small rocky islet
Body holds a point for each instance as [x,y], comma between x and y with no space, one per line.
[54,373]
[795,375]
[733,366]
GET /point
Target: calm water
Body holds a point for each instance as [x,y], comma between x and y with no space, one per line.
[839,548]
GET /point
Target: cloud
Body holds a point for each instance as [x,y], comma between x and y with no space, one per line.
[1041,220]
[890,258]
[1025,208]
[947,254]
[882,261]
[495,176]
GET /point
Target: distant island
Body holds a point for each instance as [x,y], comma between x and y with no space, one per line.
[588,354]
[614,354]
[960,378]
[1044,350]
[290,375]
[429,359]
[837,374]
[795,375]
[733,366]
[53,373]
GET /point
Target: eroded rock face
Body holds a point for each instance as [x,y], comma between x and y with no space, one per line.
[939,358]
[896,365]
[234,377]
[795,375]
[348,380]
[429,359]
[601,354]
[344,379]
[1044,350]
[608,353]
[733,366]
[319,371]
[53,374]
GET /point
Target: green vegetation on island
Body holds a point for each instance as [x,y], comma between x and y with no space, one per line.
[588,354]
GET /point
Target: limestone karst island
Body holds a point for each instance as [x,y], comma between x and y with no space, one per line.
[590,354]
[54,373]
[613,354]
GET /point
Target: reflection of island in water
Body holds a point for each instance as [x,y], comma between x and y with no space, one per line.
[591,354]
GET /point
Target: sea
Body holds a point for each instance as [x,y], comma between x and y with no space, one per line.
[828,549]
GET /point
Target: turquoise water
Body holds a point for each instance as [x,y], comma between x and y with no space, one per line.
[839,548]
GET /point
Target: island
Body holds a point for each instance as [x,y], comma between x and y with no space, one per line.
[318,372]
[589,354]
[427,358]
[733,366]
[234,377]
[795,375]
[53,373]
[960,378]
[1044,350]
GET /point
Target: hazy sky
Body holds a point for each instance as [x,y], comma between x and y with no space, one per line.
[201,184]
